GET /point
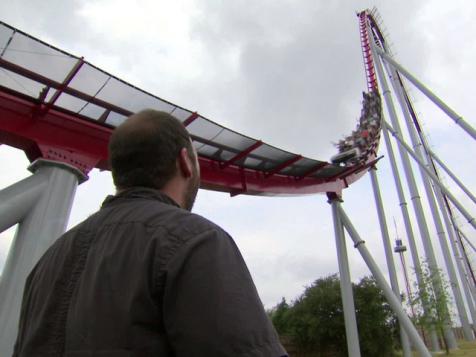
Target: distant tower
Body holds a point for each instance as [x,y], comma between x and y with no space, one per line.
[400,249]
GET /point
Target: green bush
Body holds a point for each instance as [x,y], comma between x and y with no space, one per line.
[315,320]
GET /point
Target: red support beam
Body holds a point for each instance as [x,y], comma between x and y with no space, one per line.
[104,115]
[28,74]
[53,84]
[313,170]
[348,171]
[190,119]
[241,155]
[43,94]
[64,85]
[243,188]
[283,166]
[356,169]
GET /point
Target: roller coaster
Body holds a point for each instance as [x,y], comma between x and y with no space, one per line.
[60,110]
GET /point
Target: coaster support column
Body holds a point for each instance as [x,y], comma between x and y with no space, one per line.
[435,180]
[419,149]
[458,119]
[415,195]
[17,199]
[351,331]
[388,254]
[42,224]
[379,277]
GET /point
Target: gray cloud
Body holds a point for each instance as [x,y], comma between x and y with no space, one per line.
[298,72]
[291,75]
[55,19]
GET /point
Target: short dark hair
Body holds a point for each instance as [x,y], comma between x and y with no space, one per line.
[143,150]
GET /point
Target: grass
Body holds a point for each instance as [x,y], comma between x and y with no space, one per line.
[467,349]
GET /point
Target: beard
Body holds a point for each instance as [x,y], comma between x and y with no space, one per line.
[192,190]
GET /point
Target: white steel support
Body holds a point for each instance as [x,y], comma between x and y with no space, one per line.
[465,238]
[379,277]
[406,218]
[451,228]
[422,165]
[465,283]
[427,171]
[467,264]
[415,195]
[17,199]
[420,152]
[458,119]
[388,254]
[403,206]
[443,189]
[350,321]
[41,225]
[452,175]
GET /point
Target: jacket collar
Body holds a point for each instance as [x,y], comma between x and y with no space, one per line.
[138,193]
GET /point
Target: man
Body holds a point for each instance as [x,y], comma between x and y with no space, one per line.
[143,276]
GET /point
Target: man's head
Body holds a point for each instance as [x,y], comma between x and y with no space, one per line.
[153,149]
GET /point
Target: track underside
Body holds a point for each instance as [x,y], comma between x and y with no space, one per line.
[67,121]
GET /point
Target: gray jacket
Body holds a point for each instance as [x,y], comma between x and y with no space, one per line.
[143,277]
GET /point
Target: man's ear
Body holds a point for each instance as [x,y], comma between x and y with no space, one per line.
[185,163]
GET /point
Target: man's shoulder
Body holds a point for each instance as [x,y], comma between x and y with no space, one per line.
[191,224]
[156,215]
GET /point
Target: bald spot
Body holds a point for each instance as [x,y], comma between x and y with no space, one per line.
[143,150]
[143,122]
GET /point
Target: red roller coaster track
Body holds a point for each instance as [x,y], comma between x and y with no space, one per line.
[367,52]
[44,122]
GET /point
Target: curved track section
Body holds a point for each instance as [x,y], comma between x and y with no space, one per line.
[360,147]
[364,21]
[57,106]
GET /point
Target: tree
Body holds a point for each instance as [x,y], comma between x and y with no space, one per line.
[279,316]
[315,321]
[434,292]
[376,322]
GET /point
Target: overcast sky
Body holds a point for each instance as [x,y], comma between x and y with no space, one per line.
[287,72]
